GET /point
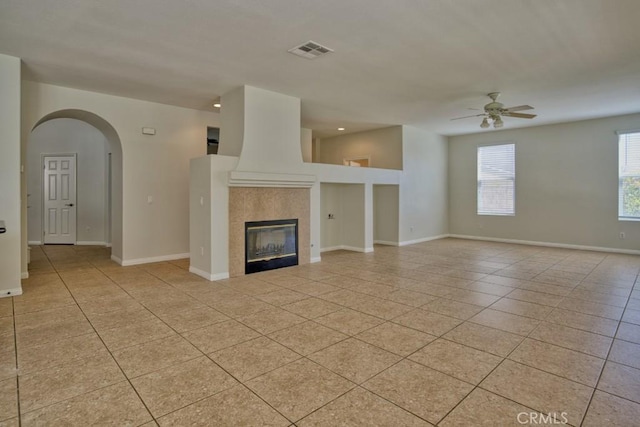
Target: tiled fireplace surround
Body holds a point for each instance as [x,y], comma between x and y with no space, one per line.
[266,204]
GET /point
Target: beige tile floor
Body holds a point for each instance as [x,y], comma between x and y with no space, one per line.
[447,333]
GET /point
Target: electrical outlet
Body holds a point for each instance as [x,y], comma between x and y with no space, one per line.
[622,235]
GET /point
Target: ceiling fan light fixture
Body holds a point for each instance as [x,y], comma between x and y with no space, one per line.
[494,111]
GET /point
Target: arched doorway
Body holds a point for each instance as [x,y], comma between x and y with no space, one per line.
[113,189]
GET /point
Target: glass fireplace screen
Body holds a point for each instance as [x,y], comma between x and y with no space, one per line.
[268,240]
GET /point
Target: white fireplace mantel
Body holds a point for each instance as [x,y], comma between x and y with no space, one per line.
[263,179]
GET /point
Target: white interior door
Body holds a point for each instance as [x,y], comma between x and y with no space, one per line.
[59,199]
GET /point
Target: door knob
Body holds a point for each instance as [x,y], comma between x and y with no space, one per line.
[69,204]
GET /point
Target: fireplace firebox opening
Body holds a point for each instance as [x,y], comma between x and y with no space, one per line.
[270,245]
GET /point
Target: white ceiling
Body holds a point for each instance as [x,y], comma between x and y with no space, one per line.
[416,62]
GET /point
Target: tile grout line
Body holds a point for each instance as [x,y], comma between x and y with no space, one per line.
[607,360]
[595,387]
[198,349]
[208,357]
[351,336]
[387,320]
[15,346]
[407,357]
[348,336]
[506,357]
[403,359]
[103,343]
[527,336]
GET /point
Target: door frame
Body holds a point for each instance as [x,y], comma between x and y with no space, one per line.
[75,181]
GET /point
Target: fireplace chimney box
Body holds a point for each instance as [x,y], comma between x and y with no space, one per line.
[262,128]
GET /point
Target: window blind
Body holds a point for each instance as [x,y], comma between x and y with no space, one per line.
[496,179]
[629,175]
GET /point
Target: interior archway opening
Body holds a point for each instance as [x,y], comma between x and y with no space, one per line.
[93,144]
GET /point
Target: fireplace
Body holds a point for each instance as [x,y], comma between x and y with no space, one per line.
[270,244]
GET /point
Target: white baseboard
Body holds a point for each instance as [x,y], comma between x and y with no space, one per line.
[356,249]
[424,239]
[116,259]
[24,275]
[5,293]
[548,244]
[137,261]
[210,277]
[331,248]
[385,242]
[346,248]
[490,239]
[316,259]
[79,243]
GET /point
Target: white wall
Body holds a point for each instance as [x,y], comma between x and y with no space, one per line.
[306,145]
[346,230]
[156,166]
[232,115]
[270,130]
[209,238]
[315,149]
[382,146]
[200,217]
[566,185]
[354,223]
[10,175]
[423,186]
[386,210]
[335,174]
[330,228]
[68,136]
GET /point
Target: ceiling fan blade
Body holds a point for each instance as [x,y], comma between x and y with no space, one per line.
[466,117]
[520,108]
[519,115]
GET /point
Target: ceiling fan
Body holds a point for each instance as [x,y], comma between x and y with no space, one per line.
[494,111]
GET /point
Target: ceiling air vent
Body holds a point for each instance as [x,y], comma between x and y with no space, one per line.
[310,50]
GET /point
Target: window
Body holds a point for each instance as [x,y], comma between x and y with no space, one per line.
[629,175]
[496,179]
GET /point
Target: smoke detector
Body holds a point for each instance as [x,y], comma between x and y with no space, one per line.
[310,50]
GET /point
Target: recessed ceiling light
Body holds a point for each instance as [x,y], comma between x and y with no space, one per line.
[217,105]
[340,128]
